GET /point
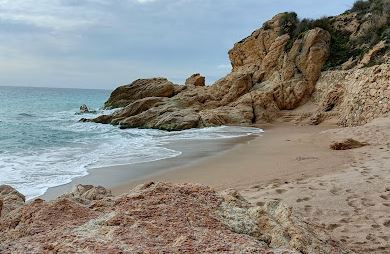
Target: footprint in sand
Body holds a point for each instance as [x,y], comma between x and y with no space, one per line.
[385,197]
[280,191]
[333,226]
[308,208]
[303,199]
[335,190]
[384,237]
[387,224]
[260,203]
[345,220]
[366,202]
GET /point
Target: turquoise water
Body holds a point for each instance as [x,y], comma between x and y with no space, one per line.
[43,145]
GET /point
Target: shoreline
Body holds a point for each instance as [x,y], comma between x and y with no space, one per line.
[192,152]
[261,159]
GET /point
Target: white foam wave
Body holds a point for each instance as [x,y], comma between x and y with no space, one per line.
[32,172]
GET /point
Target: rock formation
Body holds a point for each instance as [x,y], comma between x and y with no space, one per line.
[274,72]
[10,199]
[156,218]
[267,77]
[354,97]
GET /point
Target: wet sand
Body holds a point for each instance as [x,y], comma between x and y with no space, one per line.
[193,152]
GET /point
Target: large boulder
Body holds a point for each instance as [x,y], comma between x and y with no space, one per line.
[139,89]
[10,199]
[161,218]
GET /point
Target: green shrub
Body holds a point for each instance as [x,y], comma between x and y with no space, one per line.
[361,6]
[288,22]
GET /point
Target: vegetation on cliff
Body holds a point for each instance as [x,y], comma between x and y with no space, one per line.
[353,33]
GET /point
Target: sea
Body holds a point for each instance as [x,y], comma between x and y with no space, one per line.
[43,144]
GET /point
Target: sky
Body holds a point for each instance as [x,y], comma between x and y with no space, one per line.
[105,43]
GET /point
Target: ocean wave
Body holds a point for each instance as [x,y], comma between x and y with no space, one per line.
[60,148]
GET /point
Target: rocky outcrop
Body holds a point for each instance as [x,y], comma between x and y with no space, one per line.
[267,76]
[196,80]
[139,89]
[276,70]
[10,199]
[160,217]
[354,97]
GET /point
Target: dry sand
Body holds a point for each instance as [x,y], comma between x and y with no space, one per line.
[345,192]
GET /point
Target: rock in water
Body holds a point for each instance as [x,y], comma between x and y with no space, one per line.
[160,218]
[85,110]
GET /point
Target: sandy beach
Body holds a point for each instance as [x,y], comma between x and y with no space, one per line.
[347,193]
[285,152]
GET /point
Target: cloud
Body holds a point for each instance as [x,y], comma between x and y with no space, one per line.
[102,43]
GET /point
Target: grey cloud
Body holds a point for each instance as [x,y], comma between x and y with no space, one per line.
[102,43]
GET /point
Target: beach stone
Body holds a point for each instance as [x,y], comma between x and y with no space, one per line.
[163,218]
[347,144]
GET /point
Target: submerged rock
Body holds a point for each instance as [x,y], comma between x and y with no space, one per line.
[160,218]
